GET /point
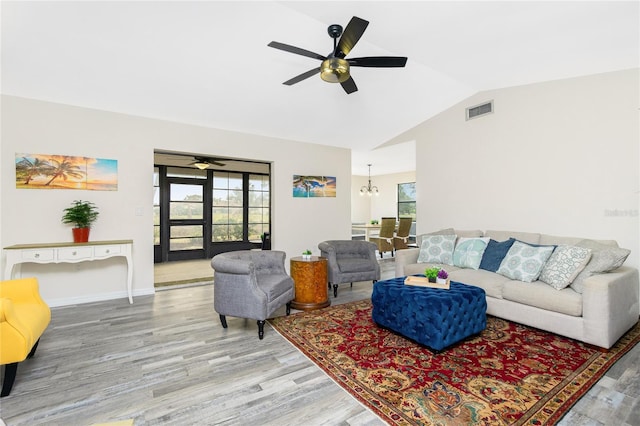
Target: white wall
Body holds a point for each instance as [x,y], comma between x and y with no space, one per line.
[558,157]
[33,216]
[365,208]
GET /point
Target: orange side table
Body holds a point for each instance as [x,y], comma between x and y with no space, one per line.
[310,280]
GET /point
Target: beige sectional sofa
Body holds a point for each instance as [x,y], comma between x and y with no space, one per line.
[598,312]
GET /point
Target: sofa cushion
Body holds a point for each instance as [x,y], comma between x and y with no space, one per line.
[524,262]
[490,282]
[468,252]
[527,237]
[437,249]
[543,296]
[564,265]
[604,258]
[494,253]
[471,233]
[447,231]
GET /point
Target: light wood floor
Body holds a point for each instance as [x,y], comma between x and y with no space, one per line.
[166,360]
[182,272]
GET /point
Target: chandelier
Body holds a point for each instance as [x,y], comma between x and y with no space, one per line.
[369,190]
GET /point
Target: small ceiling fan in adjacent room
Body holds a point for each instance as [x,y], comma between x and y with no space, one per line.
[335,67]
[204,162]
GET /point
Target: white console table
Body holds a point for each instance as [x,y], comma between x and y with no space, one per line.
[69,253]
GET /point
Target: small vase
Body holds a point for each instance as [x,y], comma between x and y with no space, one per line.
[306,257]
[441,280]
[432,280]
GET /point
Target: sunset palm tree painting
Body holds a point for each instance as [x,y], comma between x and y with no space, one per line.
[314,186]
[45,171]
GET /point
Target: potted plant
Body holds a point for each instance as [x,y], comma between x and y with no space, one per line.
[431,274]
[374,222]
[81,215]
[306,255]
[442,276]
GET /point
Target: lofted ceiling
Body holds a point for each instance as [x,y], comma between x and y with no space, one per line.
[207,62]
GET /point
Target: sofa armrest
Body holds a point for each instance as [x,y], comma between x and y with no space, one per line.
[405,257]
[610,305]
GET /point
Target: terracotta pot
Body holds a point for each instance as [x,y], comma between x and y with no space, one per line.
[80,235]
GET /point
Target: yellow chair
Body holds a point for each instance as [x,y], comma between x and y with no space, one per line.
[384,241]
[401,240]
[23,318]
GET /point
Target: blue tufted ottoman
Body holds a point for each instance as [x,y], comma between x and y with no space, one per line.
[436,318]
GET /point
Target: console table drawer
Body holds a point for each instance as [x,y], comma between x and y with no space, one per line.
[75,253]
[37,255]
[102,251]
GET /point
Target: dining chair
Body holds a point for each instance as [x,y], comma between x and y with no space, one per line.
[401,239]
[384,240]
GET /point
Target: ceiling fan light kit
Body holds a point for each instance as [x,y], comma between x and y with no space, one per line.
[201,166]
[335,68]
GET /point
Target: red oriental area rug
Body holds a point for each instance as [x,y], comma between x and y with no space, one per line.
[508,375]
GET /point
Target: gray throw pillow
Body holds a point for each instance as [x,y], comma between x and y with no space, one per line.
[604,258]
[564,265]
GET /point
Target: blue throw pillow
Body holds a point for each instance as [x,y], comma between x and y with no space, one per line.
[494,253]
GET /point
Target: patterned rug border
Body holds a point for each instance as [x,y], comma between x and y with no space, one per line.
[561,398]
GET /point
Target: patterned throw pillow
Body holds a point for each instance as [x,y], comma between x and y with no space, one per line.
[604,258]
[468,252]
[564,265]
[524,262]
[437,249]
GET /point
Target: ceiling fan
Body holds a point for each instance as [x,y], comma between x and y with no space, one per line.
[204,162]
[335,67]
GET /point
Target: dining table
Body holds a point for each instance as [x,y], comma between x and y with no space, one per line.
[368,228]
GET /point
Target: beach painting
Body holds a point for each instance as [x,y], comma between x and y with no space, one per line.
[314,186]
[50,171]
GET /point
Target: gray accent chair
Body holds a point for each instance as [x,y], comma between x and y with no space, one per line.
[251,284]
[350,261]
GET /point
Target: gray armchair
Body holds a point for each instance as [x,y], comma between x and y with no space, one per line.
[250,284]
[349,261]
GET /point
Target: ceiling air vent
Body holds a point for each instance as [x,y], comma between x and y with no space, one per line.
[479,110]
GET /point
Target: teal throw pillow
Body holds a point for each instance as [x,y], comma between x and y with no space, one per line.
[468,252]
[524,262]
[437,249]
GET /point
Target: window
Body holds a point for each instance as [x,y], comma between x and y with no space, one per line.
[228,202]
[156,206]
[258,206]
[407,200]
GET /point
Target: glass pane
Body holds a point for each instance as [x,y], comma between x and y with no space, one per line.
[179,211]
[220,215]
[407,191]
[220,233]
[235,215]
[407,209]
[156,235]
[235,232]
[221,180]
[156,176]
[265,199]
[156,196]
[255,215]
[255,198]
[235,198]
[186,231]
[255,182]
[220,197]
[235,181]
[184,192]
[156,215]
[255,231]
[265,216]
[185,244]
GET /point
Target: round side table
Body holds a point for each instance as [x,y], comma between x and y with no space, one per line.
[310,280]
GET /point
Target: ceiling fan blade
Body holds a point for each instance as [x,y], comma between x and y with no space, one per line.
[296,50]
[378,61]
[352,33]
[303,76]
[349,86]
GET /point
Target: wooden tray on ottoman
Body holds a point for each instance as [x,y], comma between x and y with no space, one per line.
[424,282]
